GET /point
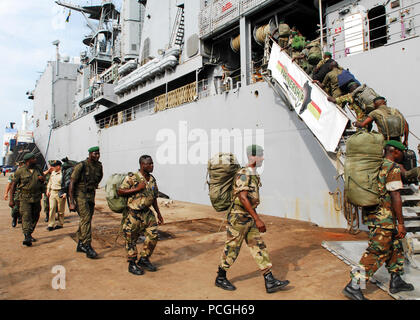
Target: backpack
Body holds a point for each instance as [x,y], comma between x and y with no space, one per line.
[116,202]
[221,170]
[67,168]
[298,43]
[314,54]
[390,123]
[323,70]
[284,30]
[364,157]
[344,78]
[363,96]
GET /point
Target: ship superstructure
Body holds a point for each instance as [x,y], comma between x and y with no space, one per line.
[181,79]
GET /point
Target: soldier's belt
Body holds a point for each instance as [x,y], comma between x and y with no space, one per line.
[142,210]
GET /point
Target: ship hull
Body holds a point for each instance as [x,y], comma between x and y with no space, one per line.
[297,176]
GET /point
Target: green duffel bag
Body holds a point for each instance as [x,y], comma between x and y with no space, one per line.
[314,55]
[364,157]
[221,170]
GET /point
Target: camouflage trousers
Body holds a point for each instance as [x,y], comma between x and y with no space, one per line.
[382,248]
[136,223]
[29,212]
[15,210]
[239,228]
[85,206]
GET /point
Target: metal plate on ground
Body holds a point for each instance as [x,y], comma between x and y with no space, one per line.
[351,251]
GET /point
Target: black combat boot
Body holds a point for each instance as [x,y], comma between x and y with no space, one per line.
[222,281]
[81,247]
[397,284]
[352,293]
[14,222]
[32,238]
[90,253]
[134,268]
[19,220]
[272,284]
[145,263]
[27,241]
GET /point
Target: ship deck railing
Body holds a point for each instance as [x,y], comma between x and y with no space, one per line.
[171,99]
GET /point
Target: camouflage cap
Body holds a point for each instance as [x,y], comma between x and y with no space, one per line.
[254,150]
[28,156]
[396,144]
[93,149]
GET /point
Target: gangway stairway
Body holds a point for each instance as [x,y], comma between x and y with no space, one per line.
[410,194]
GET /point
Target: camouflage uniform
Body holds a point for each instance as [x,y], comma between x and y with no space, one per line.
[383,247]
[30,194]
[349,99]
[330,83]
[86,177]
[242,226]
[140,218]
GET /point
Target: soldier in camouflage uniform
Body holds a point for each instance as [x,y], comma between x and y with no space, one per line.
[83,184]
[348,99]
[243,223]
[377,116]
[142,192]
[16,218]
[30,181]
[384,233]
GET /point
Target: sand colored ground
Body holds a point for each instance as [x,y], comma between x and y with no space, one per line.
[187,256]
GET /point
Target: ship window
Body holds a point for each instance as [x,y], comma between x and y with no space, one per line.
[377,27]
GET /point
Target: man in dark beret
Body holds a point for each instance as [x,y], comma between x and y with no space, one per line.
[83,184]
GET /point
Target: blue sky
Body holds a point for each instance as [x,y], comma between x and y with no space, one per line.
[27,30]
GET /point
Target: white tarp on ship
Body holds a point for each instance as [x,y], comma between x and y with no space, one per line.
[322,117]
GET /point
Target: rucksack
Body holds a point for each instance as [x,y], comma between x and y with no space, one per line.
[67,168]
[363,96]
[298,43]
[314,53]
[284,30]
[344,78]
[323,70]
[364,157]
[390,123]
[115,202]
[221,170]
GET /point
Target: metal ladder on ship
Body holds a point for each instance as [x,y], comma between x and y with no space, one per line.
[410,196]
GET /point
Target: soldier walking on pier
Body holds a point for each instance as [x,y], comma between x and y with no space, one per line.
[245,224]
[30,182]
[84,181]
[142,192]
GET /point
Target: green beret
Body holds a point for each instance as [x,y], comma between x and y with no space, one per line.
[93,149]
[28,156]
[254,150]
[379,98]
[326,53]
[396,144]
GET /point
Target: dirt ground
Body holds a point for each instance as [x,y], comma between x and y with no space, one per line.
[187,255]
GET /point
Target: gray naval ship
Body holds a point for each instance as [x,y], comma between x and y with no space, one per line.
[182,80]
